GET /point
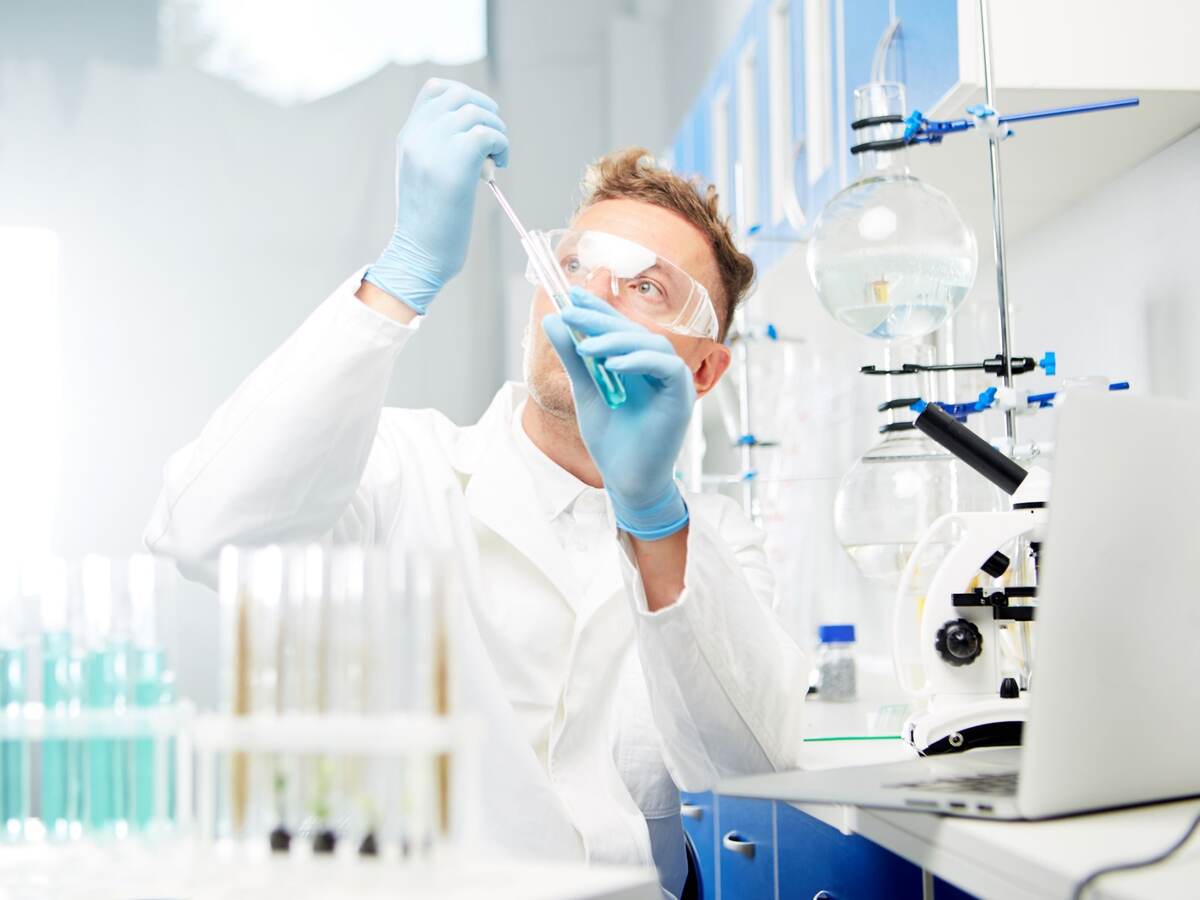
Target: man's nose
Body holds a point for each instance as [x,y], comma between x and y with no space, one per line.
[600,283]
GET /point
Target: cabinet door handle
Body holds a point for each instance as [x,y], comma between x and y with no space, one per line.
[738,844]
[691,811]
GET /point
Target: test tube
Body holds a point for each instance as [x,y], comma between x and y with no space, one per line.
[152,687]
[233,768]
[14,750]
[266,601]
[62,760]
[105,693]
[558,289]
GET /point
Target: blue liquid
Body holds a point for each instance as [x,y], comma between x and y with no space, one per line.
[62,760]
[152,686]
[14,754]
[106,769]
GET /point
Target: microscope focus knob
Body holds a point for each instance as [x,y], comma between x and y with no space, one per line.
[959,642]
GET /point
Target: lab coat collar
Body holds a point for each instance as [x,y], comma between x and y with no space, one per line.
[555,487]
[501,492]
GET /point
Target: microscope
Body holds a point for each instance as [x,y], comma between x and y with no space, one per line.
[973,696]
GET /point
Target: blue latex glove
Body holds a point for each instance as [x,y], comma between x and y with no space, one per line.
[634,446]
[451,130]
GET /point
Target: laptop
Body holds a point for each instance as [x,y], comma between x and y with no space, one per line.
[1114,714]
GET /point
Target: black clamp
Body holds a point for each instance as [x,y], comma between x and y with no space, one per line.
[998,601]
[993,365]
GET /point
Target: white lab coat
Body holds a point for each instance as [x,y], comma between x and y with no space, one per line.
[648,703]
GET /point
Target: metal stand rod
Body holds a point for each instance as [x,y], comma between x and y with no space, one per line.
[1010,422]
[749,500]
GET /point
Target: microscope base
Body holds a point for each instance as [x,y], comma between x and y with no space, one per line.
[982,722]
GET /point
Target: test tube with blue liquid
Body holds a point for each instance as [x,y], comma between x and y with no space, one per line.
[552,280]
[105,691]
[152,686]
[62,760]
[14,750]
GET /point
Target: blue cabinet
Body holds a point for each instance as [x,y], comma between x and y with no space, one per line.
[760,850]
[700,823]
[746,849]
[815,858]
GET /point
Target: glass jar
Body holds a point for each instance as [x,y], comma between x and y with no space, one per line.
[837,677]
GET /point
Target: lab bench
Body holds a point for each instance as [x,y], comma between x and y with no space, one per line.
[177,868]
[754,847]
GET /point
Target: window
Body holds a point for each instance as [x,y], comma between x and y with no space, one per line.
[818,81]
[30,390]
[747,139]
[779,76]
[296,51]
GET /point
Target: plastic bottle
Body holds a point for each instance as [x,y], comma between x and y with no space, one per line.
[836,673]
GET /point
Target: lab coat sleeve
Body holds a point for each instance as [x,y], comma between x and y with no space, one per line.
[726,682]
[283,459]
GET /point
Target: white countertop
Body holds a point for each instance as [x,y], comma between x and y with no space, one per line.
[1008,860]
[175,869]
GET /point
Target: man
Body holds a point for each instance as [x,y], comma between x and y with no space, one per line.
[623,645]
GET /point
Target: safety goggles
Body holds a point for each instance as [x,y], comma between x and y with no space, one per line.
[633,278]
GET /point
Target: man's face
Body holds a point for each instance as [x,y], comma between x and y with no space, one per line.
[670,236]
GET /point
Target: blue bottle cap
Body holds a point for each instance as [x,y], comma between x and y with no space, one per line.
[836,634]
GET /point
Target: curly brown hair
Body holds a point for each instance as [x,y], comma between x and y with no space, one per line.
[633,174]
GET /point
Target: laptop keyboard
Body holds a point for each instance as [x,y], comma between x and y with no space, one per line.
[1000,784]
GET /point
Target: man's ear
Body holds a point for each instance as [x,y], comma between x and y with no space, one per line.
[712,367]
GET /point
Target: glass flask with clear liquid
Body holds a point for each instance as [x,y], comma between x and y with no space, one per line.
[892,495]
[889,256]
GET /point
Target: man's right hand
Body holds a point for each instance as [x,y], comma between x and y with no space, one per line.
[440,152]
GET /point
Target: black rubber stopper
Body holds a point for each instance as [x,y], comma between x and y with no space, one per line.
[324,841]
[368,847]
[996,565]
[1009,690]
[281,840]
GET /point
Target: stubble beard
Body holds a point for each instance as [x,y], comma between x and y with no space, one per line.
[546,379]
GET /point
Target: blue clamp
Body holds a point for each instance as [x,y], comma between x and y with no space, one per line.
[747,440]
[913,124]
[772,332]
[986,399]
[1049,363]
[1041,401]
[959,411]
[1119,386]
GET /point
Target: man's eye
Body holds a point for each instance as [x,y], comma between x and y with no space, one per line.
[649,290]
[571,265]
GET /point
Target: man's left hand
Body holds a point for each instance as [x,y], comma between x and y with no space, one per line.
[636,445]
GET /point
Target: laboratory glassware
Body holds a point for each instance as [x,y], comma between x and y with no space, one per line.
[837,678]
[152,687]
[61,646]
[641,283]
[14,751]
[888,499]
[554,282]
[889,256]
[106,669]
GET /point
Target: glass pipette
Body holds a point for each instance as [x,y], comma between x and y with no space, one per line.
[554,283]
